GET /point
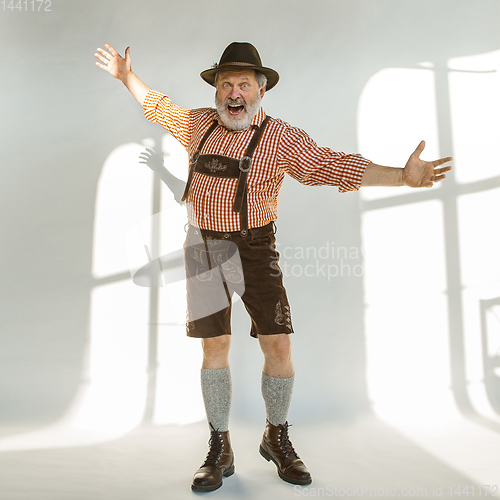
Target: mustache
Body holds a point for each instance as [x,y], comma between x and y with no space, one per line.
[238,102]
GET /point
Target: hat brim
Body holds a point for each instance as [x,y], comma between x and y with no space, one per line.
[271,75]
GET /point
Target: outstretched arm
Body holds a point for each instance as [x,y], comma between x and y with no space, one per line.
[416,173]
[120,68]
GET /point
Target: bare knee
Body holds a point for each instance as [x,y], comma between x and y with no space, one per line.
[216,351]
[276,347]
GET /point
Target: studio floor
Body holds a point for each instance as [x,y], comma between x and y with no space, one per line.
[367,458]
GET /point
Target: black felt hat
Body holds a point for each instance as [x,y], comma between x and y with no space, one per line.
[241,55]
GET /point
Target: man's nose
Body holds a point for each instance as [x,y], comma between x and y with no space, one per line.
[235,93]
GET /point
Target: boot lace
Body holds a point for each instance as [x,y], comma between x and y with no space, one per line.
[215,449]
[285,443]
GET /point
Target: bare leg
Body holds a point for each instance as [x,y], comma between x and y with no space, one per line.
[277,352]
[216,352]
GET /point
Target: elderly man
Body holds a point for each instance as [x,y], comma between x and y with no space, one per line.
[239,157]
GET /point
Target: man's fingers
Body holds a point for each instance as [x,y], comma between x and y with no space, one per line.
[419,149]
[438,178]
[442,170]
[101,58]
[436,163]
[111,49]
[107,55]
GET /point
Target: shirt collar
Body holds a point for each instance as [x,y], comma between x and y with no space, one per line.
[258,118]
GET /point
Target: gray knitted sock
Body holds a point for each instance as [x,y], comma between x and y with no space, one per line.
[217,390]
[277,394]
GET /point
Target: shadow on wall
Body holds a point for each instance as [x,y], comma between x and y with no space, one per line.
[441,276]
[127,359]
[332,270]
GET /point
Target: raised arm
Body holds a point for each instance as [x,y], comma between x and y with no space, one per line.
[120,68]
[416,173]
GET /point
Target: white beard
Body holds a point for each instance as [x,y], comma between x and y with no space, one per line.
[238,122]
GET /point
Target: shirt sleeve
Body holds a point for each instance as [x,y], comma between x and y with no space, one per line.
[160,109]
[305,161]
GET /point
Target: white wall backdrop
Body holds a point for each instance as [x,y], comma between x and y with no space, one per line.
[395,293]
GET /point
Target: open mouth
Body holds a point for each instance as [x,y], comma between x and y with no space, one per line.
[235,109]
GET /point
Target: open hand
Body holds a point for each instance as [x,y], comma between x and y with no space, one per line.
[152,160]
[114,63]
[419,173]
[155,162]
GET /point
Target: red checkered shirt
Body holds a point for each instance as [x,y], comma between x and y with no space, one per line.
[282,148]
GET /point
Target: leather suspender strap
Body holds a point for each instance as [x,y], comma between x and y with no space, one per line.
[245,166]
[240,204]
[244,215]
[192,164]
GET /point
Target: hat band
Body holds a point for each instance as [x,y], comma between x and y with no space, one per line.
[236,64]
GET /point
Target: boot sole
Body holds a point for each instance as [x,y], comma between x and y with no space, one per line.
[228,473]
[280,474]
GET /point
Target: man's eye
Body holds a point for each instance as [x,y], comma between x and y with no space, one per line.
[226,85]
[245,85]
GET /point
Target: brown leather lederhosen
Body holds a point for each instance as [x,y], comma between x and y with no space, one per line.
[224,166]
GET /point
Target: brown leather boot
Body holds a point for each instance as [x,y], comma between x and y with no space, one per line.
[219,463]
[276,446]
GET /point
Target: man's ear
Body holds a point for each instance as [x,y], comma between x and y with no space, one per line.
[262,91]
